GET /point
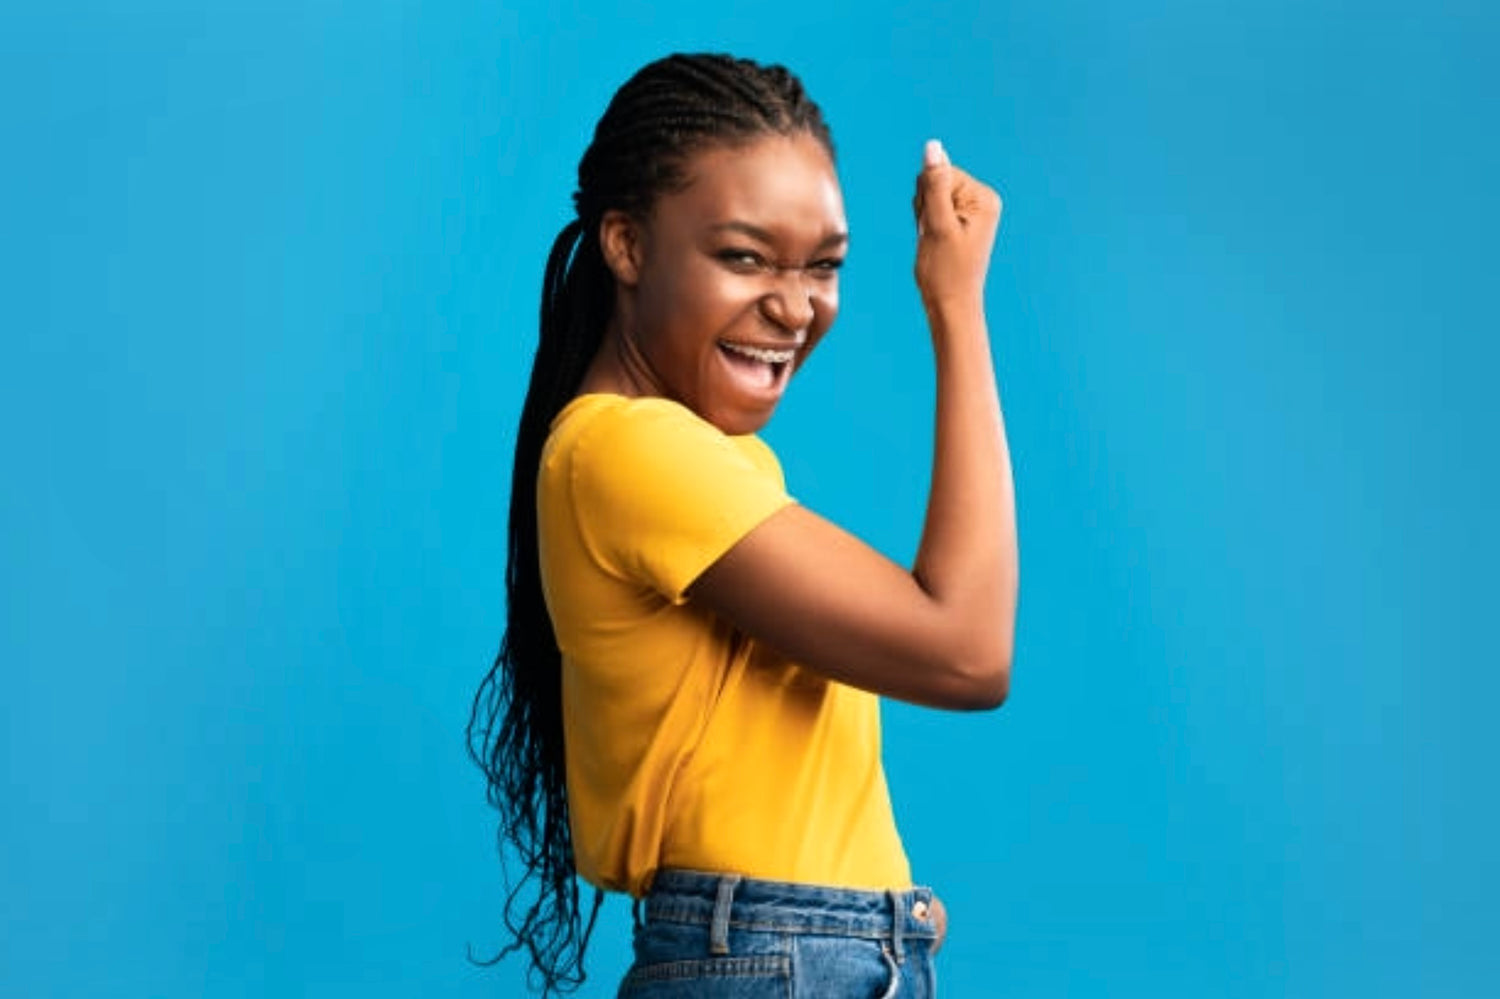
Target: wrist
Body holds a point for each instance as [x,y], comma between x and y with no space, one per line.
[954,310]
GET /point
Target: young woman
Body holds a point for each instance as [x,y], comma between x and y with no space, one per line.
[685,704]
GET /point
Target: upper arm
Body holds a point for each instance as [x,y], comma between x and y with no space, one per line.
[822,597]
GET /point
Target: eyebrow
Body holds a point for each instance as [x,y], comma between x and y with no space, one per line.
[833,239]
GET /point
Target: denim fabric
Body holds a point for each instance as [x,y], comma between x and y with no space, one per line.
[721,936]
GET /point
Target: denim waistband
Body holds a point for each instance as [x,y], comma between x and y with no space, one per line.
[724,900]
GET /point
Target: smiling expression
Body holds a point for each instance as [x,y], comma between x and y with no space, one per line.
[728,284]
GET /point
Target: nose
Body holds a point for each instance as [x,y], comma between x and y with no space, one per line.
[789,303]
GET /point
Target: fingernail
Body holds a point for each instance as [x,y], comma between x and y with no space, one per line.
[934,154]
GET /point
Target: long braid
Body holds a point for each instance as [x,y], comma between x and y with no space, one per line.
[662,115]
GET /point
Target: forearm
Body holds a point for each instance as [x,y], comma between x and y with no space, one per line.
[968,560]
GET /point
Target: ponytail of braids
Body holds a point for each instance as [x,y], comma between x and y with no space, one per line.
[515,726]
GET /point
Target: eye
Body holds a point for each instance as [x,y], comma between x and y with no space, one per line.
[742,260]
[825,268]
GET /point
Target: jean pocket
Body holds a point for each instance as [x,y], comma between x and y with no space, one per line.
[757,976]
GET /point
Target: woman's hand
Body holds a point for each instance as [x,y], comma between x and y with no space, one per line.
[957,218]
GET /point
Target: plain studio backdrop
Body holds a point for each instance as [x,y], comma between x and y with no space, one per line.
[270,282]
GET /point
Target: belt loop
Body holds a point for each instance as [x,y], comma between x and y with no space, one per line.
[898,914]
[718,930]
[635,911]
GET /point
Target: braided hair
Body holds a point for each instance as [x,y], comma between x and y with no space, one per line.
[664,114]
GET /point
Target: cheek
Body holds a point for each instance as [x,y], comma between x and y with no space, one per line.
[825,303]
[700,298]
[663,311]
[661,298]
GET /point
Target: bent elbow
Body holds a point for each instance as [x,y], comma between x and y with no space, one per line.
[986,684]
[991,691]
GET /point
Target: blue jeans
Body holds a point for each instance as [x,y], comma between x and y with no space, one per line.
[722,936]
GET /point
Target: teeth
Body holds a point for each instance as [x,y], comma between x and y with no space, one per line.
[760,354]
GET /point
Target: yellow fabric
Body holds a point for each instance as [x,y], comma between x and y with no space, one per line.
[688,744]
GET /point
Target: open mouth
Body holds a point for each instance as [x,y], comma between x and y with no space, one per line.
[761,368]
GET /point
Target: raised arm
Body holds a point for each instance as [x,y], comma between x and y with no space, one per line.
[941,634]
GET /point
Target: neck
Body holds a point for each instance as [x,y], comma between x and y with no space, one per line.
[619,367]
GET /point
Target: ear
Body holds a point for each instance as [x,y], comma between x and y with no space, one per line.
[620,239]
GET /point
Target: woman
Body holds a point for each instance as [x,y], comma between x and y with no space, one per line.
[705,653]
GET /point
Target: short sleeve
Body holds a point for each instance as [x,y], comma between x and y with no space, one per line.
[660,494]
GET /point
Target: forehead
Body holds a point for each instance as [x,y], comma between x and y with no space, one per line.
[786,185]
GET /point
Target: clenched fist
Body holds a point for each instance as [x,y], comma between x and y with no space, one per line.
[957,218]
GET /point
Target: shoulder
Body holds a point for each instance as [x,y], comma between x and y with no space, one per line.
[655,492]
[619,418]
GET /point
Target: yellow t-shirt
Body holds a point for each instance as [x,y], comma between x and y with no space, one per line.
[689,744]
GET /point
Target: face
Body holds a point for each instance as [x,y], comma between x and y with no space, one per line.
[730,282]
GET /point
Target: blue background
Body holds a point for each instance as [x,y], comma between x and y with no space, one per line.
[270,281]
